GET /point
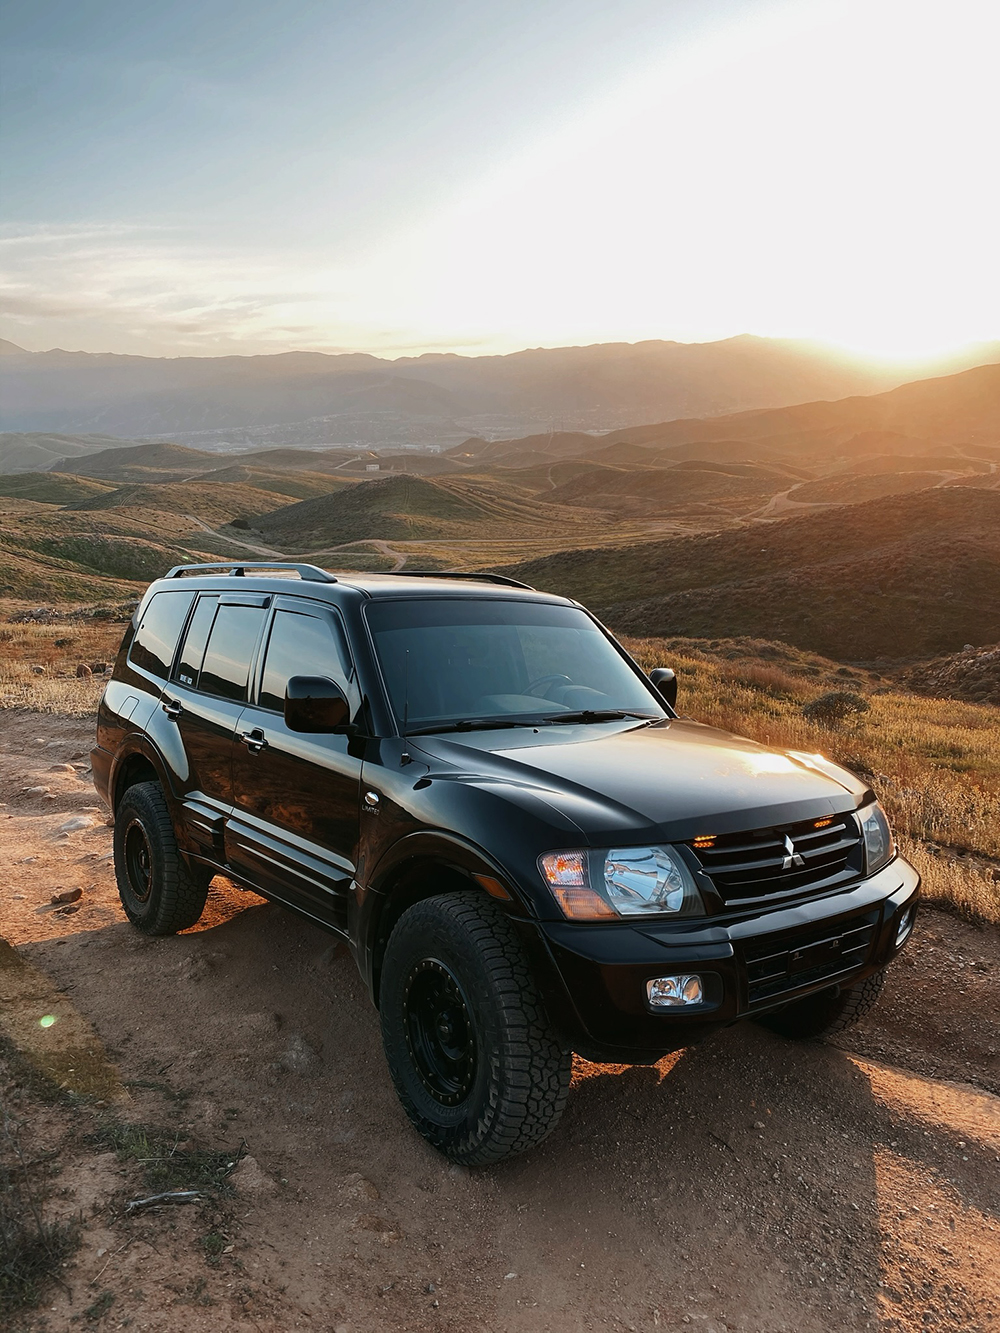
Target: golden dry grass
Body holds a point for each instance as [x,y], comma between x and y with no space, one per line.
[58,647]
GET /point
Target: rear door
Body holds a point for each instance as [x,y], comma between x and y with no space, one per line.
[204,698]
[293,829]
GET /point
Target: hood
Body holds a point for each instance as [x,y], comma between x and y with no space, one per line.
[677,777]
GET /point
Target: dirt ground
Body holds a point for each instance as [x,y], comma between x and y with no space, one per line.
[748,1185]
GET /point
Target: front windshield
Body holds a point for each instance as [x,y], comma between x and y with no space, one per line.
[480,660]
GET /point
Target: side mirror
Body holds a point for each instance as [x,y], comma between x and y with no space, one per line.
[664,681]
[316,704]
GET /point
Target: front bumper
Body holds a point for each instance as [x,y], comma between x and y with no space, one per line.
[750,963]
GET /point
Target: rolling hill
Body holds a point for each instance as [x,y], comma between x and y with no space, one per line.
[159,461]
[659,490]
[406,508]
[54,488]
[212,502]
[37,452]
[902,577]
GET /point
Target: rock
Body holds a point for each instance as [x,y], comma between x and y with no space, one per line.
[98,668]
[62,768]
[250,1179]
[37,669]
[83,672]
[76,823]
[356,1186]
[68,911]
[67,896]
[35,791]
[300,1057]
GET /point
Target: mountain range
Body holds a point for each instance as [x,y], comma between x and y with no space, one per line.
[312,397]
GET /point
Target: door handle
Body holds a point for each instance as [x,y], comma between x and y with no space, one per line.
[174,708]
[255,740]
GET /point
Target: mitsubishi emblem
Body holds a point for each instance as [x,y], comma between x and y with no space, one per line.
[792,859]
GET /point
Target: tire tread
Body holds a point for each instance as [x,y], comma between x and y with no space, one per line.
[528,1101]
[180,894]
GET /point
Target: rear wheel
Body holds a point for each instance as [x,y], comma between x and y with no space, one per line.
[159,892]
[828,1011]
[477,1066]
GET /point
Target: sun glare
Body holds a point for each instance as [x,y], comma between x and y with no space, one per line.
[833,182]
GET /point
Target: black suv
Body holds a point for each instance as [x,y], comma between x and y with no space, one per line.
[527,850]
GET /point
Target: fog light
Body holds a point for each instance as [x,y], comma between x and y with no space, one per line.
[673,992]
[905,926]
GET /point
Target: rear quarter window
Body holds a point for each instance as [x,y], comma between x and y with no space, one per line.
[156,638]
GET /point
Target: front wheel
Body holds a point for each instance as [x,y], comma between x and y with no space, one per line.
[477,1066]
[159,891]
[828,1011]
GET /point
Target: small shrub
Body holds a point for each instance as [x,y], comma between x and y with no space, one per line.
[835,706]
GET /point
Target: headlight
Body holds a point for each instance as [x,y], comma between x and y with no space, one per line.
[625,881]
[879,846]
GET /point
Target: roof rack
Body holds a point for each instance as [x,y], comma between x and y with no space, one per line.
[311,573]
[457,574]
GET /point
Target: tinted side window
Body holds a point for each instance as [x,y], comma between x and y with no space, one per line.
[226,668]
[154,643]
[193,652]
[301,645]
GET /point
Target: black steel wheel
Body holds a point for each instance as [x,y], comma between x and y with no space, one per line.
[440,1032]
[138,862]
[478,1067]
[160,892]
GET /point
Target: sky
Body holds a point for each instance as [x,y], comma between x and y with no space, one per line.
[245,176]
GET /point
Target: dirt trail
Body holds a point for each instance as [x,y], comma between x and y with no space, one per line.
[747,1185]
[235,541]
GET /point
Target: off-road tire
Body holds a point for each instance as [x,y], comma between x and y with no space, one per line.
[518,1077]
[175,896]
[828,1011]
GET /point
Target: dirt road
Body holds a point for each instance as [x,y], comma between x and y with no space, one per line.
[746,1185]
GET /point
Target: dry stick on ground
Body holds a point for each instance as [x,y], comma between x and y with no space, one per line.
[174,1196]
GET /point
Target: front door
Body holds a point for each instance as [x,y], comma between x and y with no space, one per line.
[293,829]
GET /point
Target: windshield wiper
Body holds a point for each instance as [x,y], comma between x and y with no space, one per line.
[586,715]
[473,724]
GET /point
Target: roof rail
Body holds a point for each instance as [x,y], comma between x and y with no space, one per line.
[457,574]
[311,573]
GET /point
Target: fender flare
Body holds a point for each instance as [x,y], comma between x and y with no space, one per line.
[373,902]
[137,744]
[450,850]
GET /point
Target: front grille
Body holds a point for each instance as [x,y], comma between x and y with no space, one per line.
[789,858]
[787,964]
